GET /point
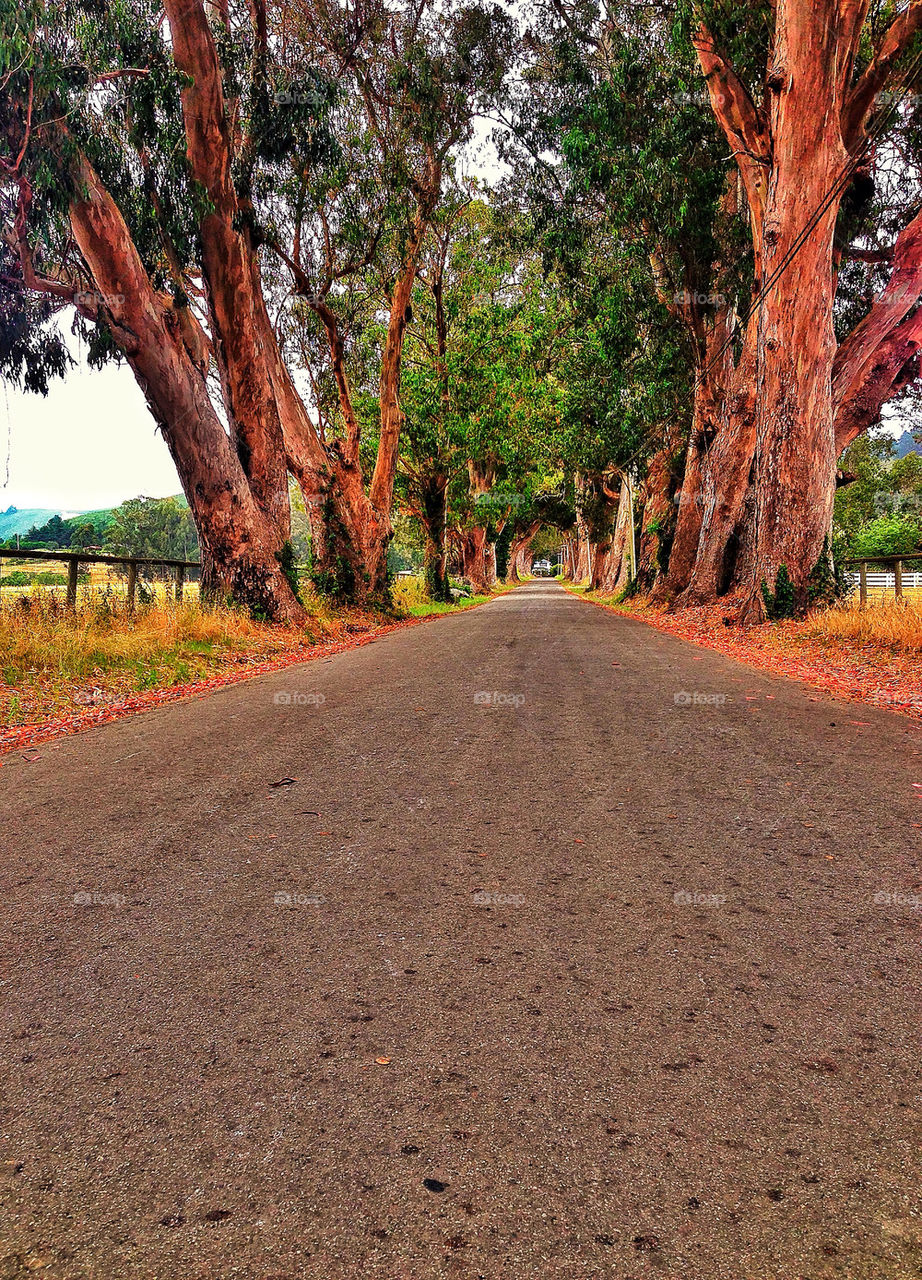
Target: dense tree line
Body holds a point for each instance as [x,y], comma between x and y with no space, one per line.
[694,285]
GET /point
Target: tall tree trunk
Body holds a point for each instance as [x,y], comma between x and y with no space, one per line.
[479,557]
[792,155]
[476,560]
[433,517]
[239,541]
[230,269]
[518,550]
[659,516]
[795,441]
[617,574]
[725,478]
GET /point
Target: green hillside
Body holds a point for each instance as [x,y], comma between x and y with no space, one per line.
[20,520]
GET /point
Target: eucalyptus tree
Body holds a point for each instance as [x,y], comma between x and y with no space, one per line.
[411,82]
[481,385]
[162,173]
[620,169]
[745,151]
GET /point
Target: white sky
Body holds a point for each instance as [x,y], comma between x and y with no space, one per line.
[91,443]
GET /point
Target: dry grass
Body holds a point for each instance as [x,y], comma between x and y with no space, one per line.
[410,598]
[894,627]
[53,661]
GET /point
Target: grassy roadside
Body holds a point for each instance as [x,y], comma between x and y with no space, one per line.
[863,655]
[63,670]
[411,601]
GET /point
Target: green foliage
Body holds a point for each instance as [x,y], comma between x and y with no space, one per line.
[887,536]
[54,533]
[782,602]
[151,527]
[827,582]
[288,561]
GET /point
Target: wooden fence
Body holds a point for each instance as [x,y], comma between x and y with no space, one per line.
[74,559]
[896,561]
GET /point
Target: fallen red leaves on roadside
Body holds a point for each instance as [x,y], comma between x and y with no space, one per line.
[855,673]
[26,736]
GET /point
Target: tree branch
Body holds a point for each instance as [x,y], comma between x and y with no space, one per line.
[882,73]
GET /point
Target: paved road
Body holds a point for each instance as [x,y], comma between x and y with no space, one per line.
[678,1037]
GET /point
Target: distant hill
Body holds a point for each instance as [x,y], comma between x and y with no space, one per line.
[907,443]
[20,520]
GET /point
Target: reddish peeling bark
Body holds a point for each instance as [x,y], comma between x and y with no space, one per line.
[229,267]
[351,528]
[895,364]
[659,516]
[238,539]
[518,551]
[791,156]
[595,506]
[475,551]
[616,574]
[724,482]
[479,555]
[796,457]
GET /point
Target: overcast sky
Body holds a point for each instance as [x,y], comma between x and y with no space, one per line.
[90,443]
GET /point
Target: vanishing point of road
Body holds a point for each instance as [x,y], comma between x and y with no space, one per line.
[530,942]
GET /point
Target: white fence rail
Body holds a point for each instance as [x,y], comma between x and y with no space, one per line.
[881,581]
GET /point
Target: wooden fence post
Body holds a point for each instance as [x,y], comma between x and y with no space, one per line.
[72,569]
[180,576]
[898,578]
[863,583]
[132,585]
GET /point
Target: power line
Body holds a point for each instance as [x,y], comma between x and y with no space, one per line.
[837,188]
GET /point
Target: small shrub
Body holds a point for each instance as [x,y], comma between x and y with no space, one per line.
[827,582]
[782,602]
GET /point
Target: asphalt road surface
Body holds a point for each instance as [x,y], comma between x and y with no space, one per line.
[530,942]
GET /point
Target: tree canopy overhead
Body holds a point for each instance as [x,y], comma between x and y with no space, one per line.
[694,283]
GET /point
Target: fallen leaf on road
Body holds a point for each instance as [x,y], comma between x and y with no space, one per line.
[284,782]
[822,1064]
[382,1061]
